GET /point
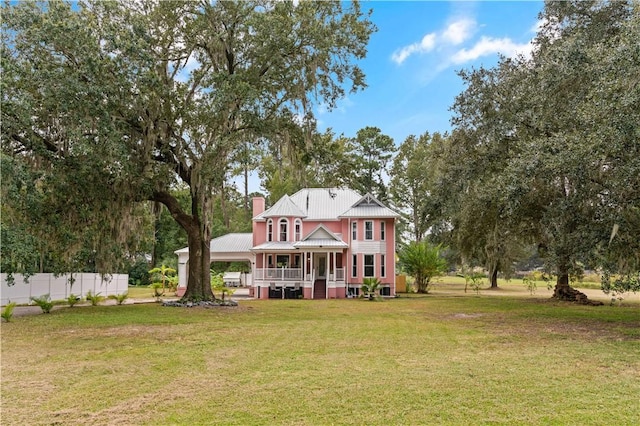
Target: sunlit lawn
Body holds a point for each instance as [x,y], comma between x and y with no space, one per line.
[435,359]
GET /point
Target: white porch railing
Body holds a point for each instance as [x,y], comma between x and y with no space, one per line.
[280,274]
[292,274]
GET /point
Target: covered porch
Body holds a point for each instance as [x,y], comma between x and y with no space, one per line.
[308,273]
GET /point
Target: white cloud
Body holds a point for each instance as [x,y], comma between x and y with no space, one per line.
[427,44]
[459,31]
[488,46]
[455,33]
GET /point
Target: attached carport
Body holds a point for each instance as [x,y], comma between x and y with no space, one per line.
[235,247]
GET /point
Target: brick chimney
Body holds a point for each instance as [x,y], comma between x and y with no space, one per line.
[258,205]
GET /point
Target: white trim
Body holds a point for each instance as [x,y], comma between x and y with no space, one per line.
[372,230]
[270,230]
[354,264]
[286,222]
[297,235]
[364,265]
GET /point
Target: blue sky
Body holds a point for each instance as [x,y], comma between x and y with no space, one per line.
[413,58]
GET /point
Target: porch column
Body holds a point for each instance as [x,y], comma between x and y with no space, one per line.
[304,266]
[327,274]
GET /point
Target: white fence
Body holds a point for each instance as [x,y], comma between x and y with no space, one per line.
[58,288]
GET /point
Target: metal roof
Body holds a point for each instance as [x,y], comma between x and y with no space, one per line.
[284,207]
[325,203]
[369,206]
[371,211]
[274,246]
[229,243]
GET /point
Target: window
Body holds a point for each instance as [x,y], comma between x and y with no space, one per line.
[282,260]
[283,225]
[369,266]
[269,261]
[298,229]
[296,261]
[354,231]
[383,272]
[382,230]
[270,230]
[368,230]
[354,266]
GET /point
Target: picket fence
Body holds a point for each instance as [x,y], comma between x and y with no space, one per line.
[59,288]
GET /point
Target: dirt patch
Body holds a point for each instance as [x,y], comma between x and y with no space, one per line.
[464,316]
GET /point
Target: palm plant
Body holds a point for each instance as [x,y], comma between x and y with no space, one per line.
[422,261]
[164,274]
[370,287]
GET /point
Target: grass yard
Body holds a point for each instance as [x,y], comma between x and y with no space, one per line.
[434,359]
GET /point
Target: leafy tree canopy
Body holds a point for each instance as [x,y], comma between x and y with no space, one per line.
[114,103]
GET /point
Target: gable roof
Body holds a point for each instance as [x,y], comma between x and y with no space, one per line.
[369,206]
[284,207]
[321,237]
[321,232]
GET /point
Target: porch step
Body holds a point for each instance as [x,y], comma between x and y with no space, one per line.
[320,289]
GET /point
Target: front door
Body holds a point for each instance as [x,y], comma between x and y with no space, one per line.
[321,266]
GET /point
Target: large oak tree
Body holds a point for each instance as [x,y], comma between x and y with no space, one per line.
[558,133]
[122,100]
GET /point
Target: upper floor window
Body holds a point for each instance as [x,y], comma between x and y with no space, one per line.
[368,230]
[270,230]
[383,269]
[354,231]
[283,229]
[383,230]
[298,229]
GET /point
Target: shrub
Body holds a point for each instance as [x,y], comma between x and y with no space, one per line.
[473,280]
[119,298]
[95,299]
[530,284]
[7,313]
[158,289]
[44,302]
[217,285]
[620,285]
[72,300]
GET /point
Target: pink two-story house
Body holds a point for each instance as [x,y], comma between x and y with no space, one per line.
[319,243]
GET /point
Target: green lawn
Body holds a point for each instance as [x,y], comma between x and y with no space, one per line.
[434,359]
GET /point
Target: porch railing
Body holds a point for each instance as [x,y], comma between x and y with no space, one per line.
[280,274]
[292,274]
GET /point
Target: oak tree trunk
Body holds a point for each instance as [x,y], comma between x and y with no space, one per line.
[199,281]
[563,291]
[198,232]
[493,277]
